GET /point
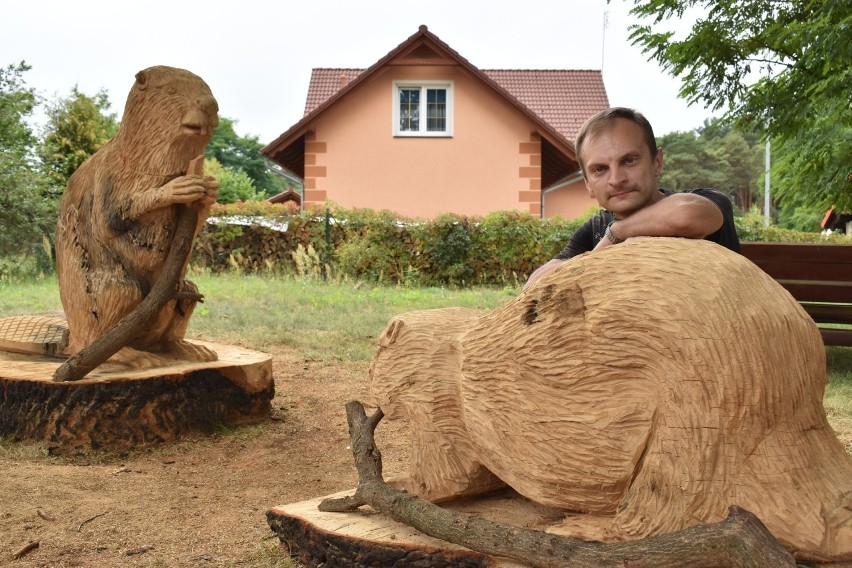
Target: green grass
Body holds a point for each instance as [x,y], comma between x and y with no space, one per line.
[323,321]
[35,296]
[838,393]
[340,321]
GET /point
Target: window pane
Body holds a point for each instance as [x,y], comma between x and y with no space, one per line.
[436,110]
[409,110]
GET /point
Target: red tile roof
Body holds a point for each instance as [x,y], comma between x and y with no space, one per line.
[324,83]
[563,98]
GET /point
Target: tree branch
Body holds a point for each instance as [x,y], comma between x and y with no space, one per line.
[739,540]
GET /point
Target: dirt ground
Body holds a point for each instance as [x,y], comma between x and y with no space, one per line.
[199,502]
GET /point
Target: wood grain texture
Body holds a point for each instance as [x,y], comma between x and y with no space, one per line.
[653,384]
[119,215]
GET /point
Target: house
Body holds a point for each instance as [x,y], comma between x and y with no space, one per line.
[423,132]
[287,196]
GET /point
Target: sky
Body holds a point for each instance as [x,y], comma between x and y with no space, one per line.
[257,55]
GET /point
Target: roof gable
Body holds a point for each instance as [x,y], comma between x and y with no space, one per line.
[556,101]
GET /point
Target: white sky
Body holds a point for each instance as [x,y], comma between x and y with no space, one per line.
[257,55]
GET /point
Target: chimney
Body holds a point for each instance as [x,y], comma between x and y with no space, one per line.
[344,80]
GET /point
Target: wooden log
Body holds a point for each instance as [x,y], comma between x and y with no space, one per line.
[121,409]
[368,538]
[739,540]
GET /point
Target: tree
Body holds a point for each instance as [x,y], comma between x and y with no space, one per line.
[739,166]
[77,127]
[779,67]
[716,155]
[27,214]
[686,162]
[234,184]
[242,153]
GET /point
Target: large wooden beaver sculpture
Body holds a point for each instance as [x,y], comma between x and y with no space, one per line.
[650,385]
[118,215]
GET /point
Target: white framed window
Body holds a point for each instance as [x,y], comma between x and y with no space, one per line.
[423,108]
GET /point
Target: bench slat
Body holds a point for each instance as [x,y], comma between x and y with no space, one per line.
[829,313]
[803,269]
[809,291]
[812,272]
[841,337]
[785,252]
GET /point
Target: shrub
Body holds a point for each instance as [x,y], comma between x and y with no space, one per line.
[501,249]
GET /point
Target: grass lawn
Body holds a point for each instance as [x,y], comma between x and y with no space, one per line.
[340,321]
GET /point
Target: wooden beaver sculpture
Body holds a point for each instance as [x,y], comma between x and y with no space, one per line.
[650,385]
[118,215]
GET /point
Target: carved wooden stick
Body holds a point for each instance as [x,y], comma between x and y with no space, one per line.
[84,361]
[739,540]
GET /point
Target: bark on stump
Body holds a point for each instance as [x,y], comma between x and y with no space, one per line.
[120,410]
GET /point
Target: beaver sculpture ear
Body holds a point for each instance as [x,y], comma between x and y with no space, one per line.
[142,79]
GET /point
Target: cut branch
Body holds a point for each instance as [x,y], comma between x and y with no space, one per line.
[90,519]
[739,540]
[29,547]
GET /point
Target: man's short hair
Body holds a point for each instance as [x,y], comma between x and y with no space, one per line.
[605,119]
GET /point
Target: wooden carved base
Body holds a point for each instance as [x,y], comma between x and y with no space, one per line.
[120,409]
[366,538]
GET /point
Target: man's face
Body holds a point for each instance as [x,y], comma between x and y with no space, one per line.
[621,173]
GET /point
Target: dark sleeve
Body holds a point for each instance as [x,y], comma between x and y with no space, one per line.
[581,241]
[727,233]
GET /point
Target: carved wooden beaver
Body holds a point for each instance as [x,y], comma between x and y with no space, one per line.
[650,385]
[118,214]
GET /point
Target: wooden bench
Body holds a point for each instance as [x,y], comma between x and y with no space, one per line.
[818,276]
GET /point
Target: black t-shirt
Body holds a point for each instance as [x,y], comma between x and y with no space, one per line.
[592,231]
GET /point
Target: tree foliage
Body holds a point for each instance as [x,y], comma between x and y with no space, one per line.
[234,184]
[237,152]
[714,156]
[779,67]
[77,127]
[27,214]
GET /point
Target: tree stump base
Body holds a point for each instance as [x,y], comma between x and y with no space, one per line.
[120,409]
[367,538]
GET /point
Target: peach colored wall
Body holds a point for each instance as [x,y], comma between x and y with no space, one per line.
[568,202]
[354,160]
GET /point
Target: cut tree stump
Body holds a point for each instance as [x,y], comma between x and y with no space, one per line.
[120,409]
[368,538]
[740,540]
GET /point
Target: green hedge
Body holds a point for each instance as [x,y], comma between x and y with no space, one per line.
[500,249]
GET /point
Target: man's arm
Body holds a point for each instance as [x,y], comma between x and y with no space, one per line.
[679,215]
